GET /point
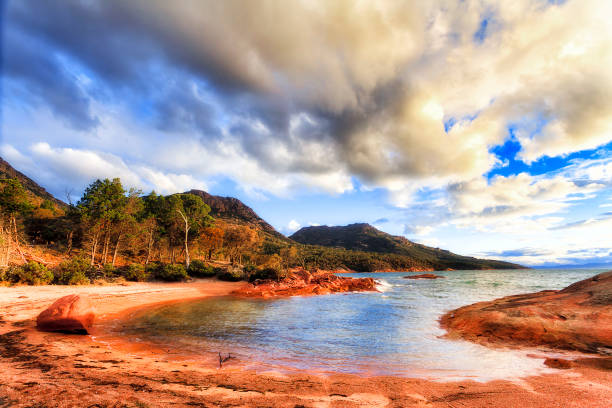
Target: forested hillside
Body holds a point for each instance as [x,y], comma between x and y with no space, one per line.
[113,232]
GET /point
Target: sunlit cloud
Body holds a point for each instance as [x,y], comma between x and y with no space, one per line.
[338,98]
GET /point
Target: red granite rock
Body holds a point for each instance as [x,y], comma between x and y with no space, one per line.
[71,314]
[424,276]
[301,282]
[578,317]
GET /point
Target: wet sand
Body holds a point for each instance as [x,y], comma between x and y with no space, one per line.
[54,369]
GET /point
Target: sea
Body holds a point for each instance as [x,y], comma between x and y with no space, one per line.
[391,332]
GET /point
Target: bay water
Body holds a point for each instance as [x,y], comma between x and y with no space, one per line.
[391,332]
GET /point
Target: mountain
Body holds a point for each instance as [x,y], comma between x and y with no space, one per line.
[235,211]
[365,238]
[36,192]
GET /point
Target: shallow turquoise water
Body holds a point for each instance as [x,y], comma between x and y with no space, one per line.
[393,332]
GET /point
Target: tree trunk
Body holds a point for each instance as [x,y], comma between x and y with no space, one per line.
[186,237]
[149,247]
[6,232]
[17,240]
[106,245]
[70,241]
[94,245]
[187,260]
[172,255]
[116,249]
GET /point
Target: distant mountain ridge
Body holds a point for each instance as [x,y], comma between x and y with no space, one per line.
[366,238]
[232,209]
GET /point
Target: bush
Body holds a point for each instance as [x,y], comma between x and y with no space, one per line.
[232,274]
[249,270]
[73,272]
[137,273]
[109,271]
[151,268]
[3,277]
[198,269]
[31,273]
[275,273]
[106,273]
[171,273]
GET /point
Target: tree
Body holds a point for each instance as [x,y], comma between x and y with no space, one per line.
[291,256]
[194,214]
[102,205]
[151,221]
[124,222]
[210,240]
[13,204]
[239,239]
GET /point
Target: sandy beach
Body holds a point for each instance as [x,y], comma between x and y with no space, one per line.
[58,370]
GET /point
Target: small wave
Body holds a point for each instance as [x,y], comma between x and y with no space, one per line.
[382,285]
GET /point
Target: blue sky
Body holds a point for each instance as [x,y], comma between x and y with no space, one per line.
[484,128]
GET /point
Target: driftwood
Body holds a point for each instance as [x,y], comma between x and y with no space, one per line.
[224,359]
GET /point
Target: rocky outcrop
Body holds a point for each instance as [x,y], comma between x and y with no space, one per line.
[70,314]
[578,317]
[300,282]
[424,276]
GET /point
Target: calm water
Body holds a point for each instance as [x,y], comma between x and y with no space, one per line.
[393,332]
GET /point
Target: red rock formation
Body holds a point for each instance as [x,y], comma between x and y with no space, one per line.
[72,313]
[300,282]
[560,363]
[424,276]
[578,317]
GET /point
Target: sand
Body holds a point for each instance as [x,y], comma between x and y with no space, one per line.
[52,369]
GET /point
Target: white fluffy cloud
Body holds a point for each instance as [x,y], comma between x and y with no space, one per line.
[293,225]
[76,168]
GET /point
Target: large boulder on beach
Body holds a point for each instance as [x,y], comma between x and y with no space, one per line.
[69,314]
[578,317]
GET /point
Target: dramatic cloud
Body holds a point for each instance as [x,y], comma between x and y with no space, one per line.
[411,98]
[369,89]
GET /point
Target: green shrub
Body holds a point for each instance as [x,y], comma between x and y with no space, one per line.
[137,273]
[248,271]
[152,267]
[73,272]
[232,274]
[31,273]
[3,277]
[275,273]
[198,269]
[171,273]
[107,272]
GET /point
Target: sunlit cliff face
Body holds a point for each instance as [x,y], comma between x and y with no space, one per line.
[487,111]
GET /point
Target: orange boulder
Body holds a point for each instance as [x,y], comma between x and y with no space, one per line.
[301,282]
[578,317]
[70,314]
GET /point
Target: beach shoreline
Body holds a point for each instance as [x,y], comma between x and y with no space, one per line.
[54,369]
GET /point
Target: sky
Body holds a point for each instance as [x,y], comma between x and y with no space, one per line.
[481,127]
